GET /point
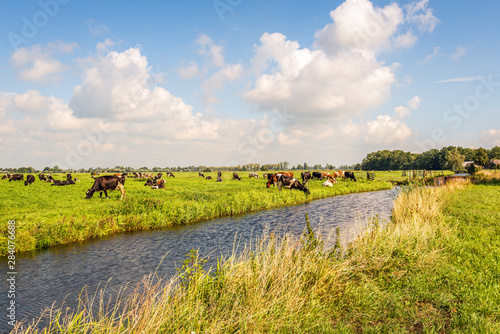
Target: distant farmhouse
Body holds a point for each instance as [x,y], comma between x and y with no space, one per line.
[466,164]
[492,164]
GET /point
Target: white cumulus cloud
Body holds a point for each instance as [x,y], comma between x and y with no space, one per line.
[490,137]
[37,63]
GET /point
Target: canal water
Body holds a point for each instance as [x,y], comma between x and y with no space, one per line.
[60,273]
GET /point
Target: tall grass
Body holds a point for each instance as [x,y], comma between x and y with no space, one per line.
[397,277]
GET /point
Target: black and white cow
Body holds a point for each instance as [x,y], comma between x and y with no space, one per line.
[317,176]
[30,179]
[306,176]
[105,183]
[16,177]
[291,183]
[349,176]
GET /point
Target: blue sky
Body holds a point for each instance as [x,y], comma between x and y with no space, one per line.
[167,83]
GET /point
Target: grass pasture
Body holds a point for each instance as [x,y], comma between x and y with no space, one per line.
[47,215]
[433,269]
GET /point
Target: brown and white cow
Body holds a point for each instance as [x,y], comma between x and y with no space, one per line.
[273,179]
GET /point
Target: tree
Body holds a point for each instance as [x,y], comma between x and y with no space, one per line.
[481,157]
[454,160]
[494,153]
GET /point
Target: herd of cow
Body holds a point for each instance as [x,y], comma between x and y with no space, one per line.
[117,181]
[30,179]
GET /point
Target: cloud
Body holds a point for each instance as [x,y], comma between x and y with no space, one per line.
[429,57]
[96,28]
[105,46]
[218,79]
[312,86]
[189,71]
[385,129]
[32,100]
[37,64]
[401,112]
[460,79]
[358,25]
[414,103]
[417,12]
[116,87]
[491,137]
[208,48]
[341,77]
[459,52]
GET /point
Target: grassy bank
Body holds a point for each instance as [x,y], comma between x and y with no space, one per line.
[435,268]
[48,215]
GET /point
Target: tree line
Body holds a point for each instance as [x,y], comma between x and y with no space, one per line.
[451,158]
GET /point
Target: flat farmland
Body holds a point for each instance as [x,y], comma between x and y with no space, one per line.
[47,215]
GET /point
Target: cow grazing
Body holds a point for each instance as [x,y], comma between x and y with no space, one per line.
[160,184]
[157,176]
[170,174]
[306,176]
[236,176]
[208,177]
[201,174]
[349,176]
[17,177]
[219,179]
[289,182]
[273,179]
[50,178]
[105,183]
[30,179]
[317,176]
[69,177]
[42,177]
[62,183]
[150,183]
[253,174]
[264,176]
[6,176]
[219,174]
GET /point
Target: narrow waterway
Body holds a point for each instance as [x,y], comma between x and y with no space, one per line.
[60,273]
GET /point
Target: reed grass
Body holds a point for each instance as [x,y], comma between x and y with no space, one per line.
[417,273]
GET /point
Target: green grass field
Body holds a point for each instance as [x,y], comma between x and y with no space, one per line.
[47,215]
[434,268]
